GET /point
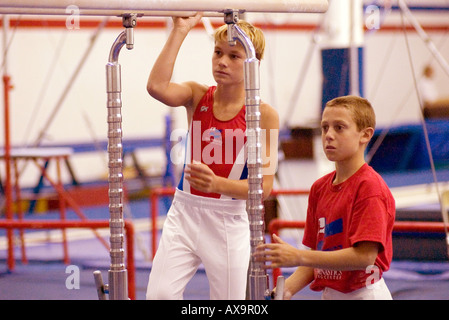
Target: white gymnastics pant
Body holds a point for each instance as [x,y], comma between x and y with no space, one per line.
[377,291]
[214,232]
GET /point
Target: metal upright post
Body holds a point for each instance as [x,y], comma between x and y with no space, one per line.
[9,211]
[118,275]
[258,279]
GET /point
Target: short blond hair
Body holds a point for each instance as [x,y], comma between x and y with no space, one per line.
[361,109]
[255,35]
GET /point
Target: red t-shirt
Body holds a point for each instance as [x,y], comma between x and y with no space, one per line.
[361,208]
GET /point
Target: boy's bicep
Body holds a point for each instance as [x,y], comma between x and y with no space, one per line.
[175,94]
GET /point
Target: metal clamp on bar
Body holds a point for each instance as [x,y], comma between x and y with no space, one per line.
[231,17]
[129,22]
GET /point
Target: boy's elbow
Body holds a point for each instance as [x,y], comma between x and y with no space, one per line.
[157,92]
[152,89]
[267,191]
[368,252]
[368,260]
[267,185]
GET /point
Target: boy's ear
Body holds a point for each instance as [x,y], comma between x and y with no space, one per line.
[367,134]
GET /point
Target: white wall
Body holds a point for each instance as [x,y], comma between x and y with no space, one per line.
[389,78]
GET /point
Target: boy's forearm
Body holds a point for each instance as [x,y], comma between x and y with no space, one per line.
[353,258]
[238,189]
[162,71]
[297,281]
[345,259]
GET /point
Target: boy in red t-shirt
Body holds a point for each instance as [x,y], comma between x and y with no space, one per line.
[350,215]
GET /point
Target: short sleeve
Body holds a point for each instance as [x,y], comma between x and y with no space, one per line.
[369,221]
[310,230]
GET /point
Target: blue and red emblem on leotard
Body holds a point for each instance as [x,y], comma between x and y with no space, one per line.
[221,145]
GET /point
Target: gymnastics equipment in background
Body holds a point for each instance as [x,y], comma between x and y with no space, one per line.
[342,50]
[89,224]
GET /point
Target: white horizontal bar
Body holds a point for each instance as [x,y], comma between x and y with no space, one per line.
[118,7]
[90,12]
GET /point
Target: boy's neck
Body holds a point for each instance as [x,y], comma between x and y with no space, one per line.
[228,101]
[229,94]
[345,169]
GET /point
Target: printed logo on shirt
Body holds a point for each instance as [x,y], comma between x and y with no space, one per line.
[204,109]
[328,274]
[327,230]
[322,224]
[333,228]
[214,134]
[232,139]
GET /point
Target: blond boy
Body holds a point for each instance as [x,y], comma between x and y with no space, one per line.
[207,222]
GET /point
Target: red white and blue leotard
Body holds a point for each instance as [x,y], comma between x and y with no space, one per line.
[203,227]
[221,145]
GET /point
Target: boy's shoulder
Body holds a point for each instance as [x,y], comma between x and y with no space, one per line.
[198,91]
[371,184]
[371,176]
[267,108]
[269,116]
[366,176]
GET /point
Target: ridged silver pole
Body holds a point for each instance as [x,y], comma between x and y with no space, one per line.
[118,286]
[258,279]
[117,275]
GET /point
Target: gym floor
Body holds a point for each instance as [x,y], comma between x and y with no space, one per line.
[46,277]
